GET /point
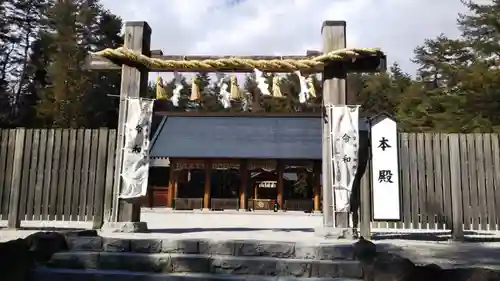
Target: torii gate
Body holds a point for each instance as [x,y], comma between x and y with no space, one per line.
[137,37]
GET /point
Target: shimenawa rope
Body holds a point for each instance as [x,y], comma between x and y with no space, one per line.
[312,63]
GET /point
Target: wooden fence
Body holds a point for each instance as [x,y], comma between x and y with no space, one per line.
[56,174]
[67,174]
[431,163]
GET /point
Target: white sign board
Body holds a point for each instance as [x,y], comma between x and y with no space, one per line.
[385,167]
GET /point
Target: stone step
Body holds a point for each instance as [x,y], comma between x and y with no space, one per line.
[44,274]
[336,250]
[195,263]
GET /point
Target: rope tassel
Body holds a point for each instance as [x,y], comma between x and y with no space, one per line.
[195,90]
[235,90]
[276,87]
[161,92]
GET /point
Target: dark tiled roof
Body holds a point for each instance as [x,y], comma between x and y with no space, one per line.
[267,137]
[239,137]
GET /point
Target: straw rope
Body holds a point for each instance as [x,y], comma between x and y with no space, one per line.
[312,64]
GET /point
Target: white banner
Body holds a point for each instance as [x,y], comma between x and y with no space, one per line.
[135,165]
[344,128]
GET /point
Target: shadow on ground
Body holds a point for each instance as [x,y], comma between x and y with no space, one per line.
[461,254]
[47,229]
[470,236]
[226,229]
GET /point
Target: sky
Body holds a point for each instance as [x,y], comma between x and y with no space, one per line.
[289,27]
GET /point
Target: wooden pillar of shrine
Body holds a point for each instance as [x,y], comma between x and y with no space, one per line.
[208,185]
[171,186]
[280,184]
[176,175]
[244,184]
[317,186]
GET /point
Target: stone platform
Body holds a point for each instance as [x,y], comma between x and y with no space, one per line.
[227,246]
[220,258]
[121,258]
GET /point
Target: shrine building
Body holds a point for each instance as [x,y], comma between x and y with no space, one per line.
[237,161]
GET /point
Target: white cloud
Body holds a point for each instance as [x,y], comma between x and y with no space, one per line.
[286,27]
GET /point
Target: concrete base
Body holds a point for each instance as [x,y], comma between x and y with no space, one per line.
[125,227]
[206,210]
[333,232]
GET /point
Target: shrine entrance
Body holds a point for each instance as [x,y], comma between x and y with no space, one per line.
[233,184]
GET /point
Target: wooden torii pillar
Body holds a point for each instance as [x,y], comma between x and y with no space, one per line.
[335,92]
[134,83]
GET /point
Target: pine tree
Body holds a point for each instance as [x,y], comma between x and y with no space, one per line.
[480,27]
[60,100]
[35,80]
[27,17]
[100,106]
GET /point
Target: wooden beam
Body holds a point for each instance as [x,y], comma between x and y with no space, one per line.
[334,93]
[134,84]
[457,222]
[208,185]
[365,200]
[317,186]
[177,175]
[14,218]
[93,62]
[333,38]
[244,185]
[366,65]
[171,187]
[280,184]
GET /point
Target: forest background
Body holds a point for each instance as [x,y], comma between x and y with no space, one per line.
[44,83]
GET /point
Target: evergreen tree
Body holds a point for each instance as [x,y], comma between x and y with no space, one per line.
[100,105]
[481,29]
[35,80]
[27,17]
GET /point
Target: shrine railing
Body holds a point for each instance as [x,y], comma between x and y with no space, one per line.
[188,203]
[220,204]
[260,204]
[305,205]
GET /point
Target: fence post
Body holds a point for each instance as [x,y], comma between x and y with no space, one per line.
[457,232]
[14,221]
[100,189]
[365,204]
